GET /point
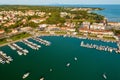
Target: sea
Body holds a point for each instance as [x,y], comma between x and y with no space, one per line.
[91,64]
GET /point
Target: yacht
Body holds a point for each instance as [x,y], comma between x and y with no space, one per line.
[25,75]
[51,70]
[68,64]
[42,78]
[104,76]
[75,59]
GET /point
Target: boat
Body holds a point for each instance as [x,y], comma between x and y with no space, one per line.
[104,76]
[75,59]
[51,70]
[68,64]
[25,75]
[42,78]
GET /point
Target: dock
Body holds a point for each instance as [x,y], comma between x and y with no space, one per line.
[4,58]
[31,44]
[19,50]
[99,47]
[44,42]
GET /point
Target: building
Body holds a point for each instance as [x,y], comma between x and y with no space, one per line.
[97,26]
[53,28]
[25,29]
[99,33]
[71,29]
[2,31]
[42,27]
[14,31]
[86,25]
[68,24]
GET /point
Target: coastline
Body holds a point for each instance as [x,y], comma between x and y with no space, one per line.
[64,35]
[13,41]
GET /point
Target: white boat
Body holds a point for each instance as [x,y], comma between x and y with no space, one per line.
[25,75]
[75,59]
[19,53]
[51,70]
[68,64]
[42,78]
[104,76]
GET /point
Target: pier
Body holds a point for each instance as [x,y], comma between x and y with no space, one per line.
[44,42]
[19,50]
[4,58]
[99,47]
[31,44]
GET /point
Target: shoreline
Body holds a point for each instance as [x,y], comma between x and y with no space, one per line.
[64,35]
[13,41]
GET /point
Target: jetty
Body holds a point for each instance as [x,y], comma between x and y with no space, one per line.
[4,58]
[31,44]
[19,50]
[99,47]
[44,42]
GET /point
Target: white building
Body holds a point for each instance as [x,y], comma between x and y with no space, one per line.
[86,25]
[97,26]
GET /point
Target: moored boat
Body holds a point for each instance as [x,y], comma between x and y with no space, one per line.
[26,75]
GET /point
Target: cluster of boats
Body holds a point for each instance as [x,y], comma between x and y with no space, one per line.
[31,44]
[4,58]
[99,47]
[19,50]
[45,42]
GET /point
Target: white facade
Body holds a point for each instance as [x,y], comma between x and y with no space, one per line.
[97,26]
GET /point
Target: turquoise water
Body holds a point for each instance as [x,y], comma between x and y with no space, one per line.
[111,12]
[91,63]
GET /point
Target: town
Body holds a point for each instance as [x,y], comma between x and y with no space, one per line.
[19,22]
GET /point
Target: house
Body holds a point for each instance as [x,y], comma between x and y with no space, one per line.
[63,14]
[38,20]
[1,18]
[14,31]
[68,24]
[53,28]
[2,31]
[26,29]
[97,26]
[71,29]
[113,23]
[99,33]
[42,27]
[86,25]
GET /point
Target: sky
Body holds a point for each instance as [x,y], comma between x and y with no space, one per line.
[42,2]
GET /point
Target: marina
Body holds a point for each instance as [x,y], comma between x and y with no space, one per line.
[31,44]
[19,50]
[4,58]
[62,40]
[49,63]
[99,47]
[44,42]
